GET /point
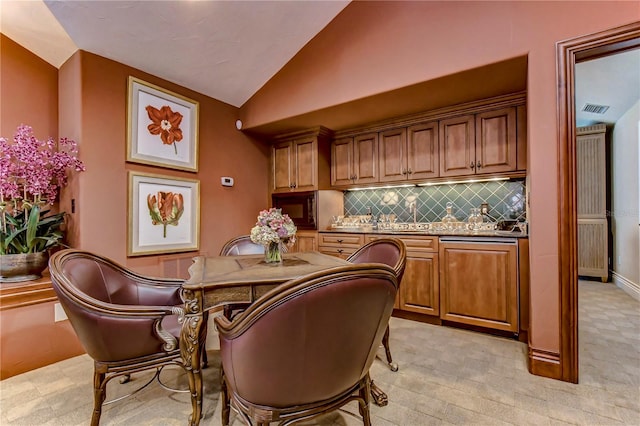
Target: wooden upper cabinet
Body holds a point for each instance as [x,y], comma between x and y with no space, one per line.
[392,146]
[496,141]
[300,161]
[342,162]
[282,168]
[365,158]
[487,138]
[478,144]
[422,151]
[457,146]
[354,160]
[305,164]
[409,153]
[294,165]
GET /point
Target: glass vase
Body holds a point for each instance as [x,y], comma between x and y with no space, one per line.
[273,253]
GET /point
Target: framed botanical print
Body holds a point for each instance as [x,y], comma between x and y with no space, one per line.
[164,214]
[162,127]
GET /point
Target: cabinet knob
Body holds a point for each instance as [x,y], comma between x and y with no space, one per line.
[404,171]
[478,165]
[340,251]
[472,165]
[410,171]
[340,241]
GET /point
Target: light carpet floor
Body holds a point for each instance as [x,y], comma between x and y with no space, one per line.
[446,376]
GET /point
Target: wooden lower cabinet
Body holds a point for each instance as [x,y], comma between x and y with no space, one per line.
[305,241]
[467,282]
[419,289]
[479,284]
[340,245]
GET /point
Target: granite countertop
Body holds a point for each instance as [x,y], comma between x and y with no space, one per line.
[431,232]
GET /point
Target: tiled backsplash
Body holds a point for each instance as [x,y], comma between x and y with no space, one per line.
[506,200]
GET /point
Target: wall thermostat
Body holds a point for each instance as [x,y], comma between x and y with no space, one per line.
[226,181]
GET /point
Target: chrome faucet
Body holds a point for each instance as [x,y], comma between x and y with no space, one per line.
[413,209]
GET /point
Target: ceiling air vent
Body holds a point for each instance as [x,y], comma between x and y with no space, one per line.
[595,109]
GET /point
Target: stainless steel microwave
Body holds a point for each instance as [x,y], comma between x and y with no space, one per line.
[310,209]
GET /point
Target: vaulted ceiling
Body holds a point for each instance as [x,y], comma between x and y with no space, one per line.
[229,49]
[224,49]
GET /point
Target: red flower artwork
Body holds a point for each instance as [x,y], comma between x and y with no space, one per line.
[165,123]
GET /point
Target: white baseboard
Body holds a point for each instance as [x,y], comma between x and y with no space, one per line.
[629,287]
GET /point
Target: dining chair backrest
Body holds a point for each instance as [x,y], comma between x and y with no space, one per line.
[241,245]
[390,251]
[307,342]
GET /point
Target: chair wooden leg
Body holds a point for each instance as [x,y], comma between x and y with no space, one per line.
[385,342]
[224,393]
[363,401]
[203,357]
[99,394]
[204,361]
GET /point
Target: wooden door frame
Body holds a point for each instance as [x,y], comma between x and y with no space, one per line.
[570,52]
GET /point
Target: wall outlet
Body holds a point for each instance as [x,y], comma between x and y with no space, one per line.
[484,208]
[58,313]
[619,259]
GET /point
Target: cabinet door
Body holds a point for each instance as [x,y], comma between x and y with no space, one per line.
[593,248]
[496,141]
[281,167]
[479,284]
[419,289]
[392,147]
[342,162]
[422,151]
[305,164]
[365,158]
[457,146]
[305,241]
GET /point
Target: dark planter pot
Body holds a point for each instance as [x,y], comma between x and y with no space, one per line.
[22,267]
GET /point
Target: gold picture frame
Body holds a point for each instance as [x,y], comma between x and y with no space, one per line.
[162,127]
[164,214]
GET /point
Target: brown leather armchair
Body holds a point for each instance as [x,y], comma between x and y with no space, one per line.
[392,252]
[126,322]
[305,348]
[241,245]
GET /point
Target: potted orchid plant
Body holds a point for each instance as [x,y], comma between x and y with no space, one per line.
[32,171]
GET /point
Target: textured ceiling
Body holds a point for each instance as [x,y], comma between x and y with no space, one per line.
[224,49]
[612,81]
[228,49]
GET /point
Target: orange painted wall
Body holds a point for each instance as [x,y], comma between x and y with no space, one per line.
[93,107]
[373,47]
[28,91]
[24,326]
[29,95]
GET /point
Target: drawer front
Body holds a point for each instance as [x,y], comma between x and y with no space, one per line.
[342,240]
[414,243]
[341,252]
